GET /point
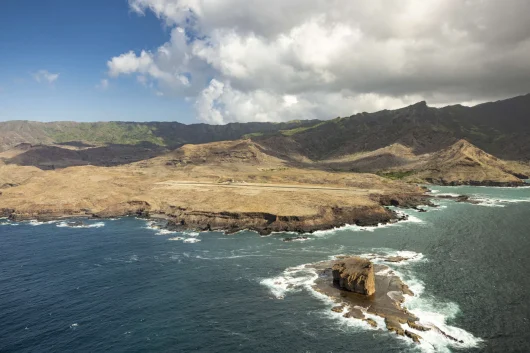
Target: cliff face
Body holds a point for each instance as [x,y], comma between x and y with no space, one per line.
[266,223]
[354,274]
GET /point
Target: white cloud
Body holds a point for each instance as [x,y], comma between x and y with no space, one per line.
[272,60]
[44,76]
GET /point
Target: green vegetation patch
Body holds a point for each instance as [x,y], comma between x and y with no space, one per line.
[253,134]
[105,133]
[396,175]
[298,130]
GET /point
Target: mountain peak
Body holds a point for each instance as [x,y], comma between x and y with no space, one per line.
[420,104]
[463,143]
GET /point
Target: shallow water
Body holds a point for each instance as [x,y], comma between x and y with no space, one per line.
[121,287]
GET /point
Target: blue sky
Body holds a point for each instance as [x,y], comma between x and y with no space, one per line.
[76,39]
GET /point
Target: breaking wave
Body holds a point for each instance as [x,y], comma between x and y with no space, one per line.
[496,202]
[81,226]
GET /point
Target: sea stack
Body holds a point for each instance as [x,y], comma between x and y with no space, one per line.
[354,274]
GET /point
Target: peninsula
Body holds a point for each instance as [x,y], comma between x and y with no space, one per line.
[300,176]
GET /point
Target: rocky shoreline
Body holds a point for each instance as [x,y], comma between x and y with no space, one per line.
[182,219]
[490,183]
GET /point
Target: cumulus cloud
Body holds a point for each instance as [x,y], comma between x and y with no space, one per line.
[44,76]
[278,60]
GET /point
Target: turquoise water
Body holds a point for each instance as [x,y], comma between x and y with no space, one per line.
[118,286]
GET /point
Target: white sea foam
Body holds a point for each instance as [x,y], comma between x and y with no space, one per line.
[496,202]
[151,225]
[356,228]
[185,240]
[448,194]
[430,311]
[35,223]
[350,227]
[301,239]
[228,257]
[191,240]
[410,218]
[176,238]
[8,224]
[90,225]
[293,279]
[165,232]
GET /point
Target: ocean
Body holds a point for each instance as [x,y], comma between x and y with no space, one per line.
[122,286]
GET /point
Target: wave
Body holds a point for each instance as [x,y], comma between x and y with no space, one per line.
[80,226]
[152,225]
[431,311]
[191,240]
[228,257]
[9,224]
[165,232]
[380,256]
[185,240]
[355,228]
[176,238]
[447,194]
[495,202]
[35,223]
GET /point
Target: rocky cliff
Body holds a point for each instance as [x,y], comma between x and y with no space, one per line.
[354,274]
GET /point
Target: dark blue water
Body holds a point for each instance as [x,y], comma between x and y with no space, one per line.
[123,288]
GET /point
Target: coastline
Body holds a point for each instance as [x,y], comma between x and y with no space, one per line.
[182,219]
[179,219]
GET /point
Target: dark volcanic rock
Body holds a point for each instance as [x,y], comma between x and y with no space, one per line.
[295,238]
[459,198]
[76,224]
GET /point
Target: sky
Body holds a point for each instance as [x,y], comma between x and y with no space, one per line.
[221,61]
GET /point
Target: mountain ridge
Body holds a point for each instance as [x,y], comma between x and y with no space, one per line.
[501,128]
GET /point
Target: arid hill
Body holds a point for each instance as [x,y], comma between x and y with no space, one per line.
[463,163]
[460,163]
[225,185]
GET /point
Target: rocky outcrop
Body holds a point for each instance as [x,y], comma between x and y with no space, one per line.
[354,274]
[266,223]
[299,238]
[458,198]
[492,183]
[131,208]
[347,279]
[402,200]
